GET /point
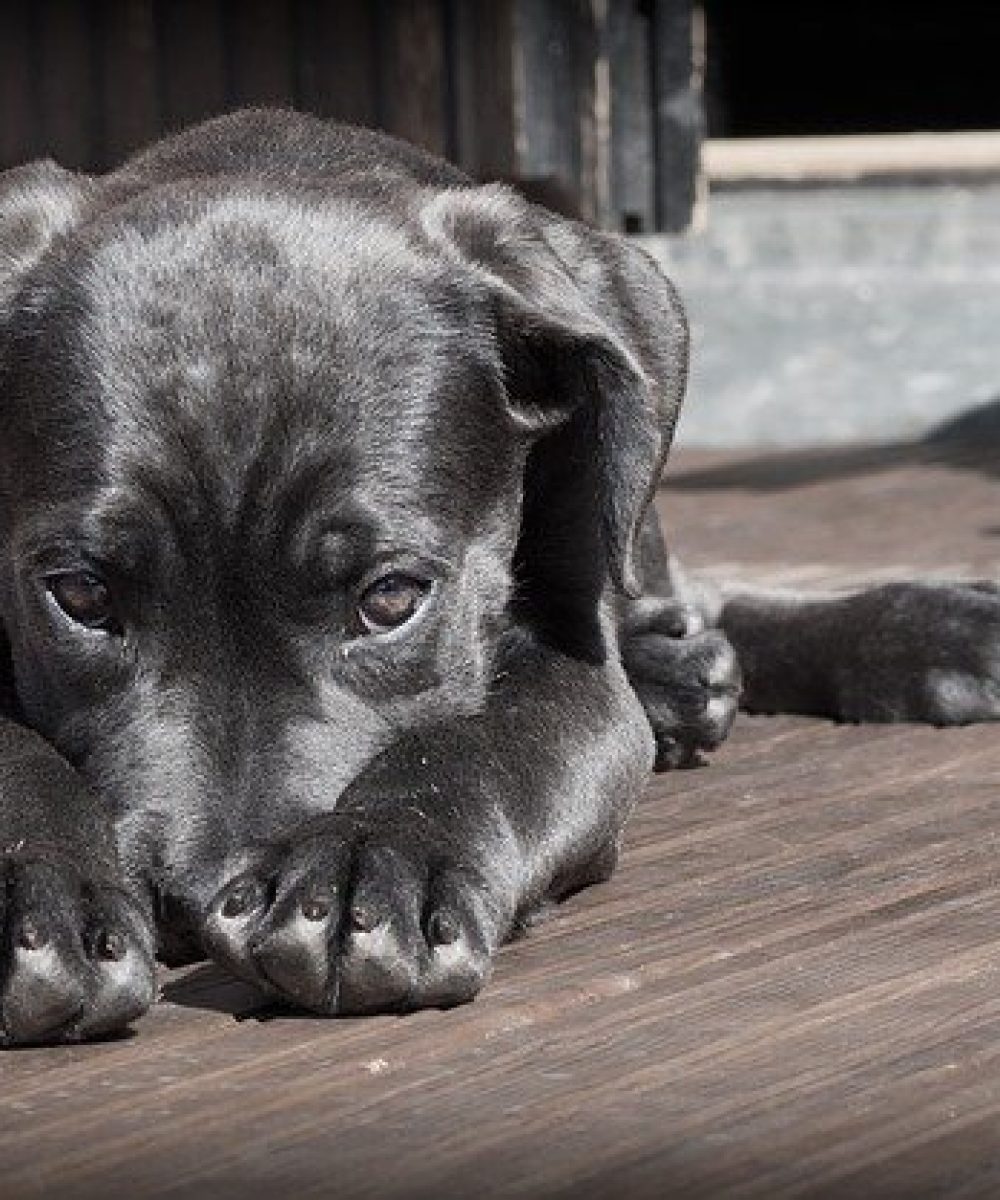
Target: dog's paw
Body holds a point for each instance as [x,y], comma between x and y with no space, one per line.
[923,652]
[77,954]
[365,916]
[688,684]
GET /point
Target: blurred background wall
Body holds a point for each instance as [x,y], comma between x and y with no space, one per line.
[846,284]
[597,98]
[822,179]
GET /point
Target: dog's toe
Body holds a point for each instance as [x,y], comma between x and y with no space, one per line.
[414,949]
[355,923]
[689,688]
[79,957]
[293,955]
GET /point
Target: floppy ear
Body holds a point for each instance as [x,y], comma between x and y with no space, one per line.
[38,202]
[593,344]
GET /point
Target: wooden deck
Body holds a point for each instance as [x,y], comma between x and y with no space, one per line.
[791,987]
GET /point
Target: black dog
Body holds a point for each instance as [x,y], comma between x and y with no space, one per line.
[336,633]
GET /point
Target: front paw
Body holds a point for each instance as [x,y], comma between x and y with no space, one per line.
[366,915]
[77,953]
[689,687]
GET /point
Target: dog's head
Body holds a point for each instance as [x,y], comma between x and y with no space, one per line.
[275,461]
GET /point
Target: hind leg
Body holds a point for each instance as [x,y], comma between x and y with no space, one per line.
[685,675]
[911,651]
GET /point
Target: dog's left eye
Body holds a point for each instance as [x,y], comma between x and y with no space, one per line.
[390,602]
[83,597]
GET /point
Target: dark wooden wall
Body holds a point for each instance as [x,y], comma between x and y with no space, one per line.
[594,96]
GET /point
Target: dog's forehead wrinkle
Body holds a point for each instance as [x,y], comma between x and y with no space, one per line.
[357,381]
[250,305]
[245,252]
[279,481]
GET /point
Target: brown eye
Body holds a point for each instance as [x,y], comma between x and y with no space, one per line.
[390,602]
[83,597]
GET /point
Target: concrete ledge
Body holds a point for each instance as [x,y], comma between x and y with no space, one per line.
[839,314]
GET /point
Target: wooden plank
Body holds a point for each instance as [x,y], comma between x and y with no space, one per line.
[483,114]
[630,80]
[130,89]
[67,94]
[260,53]
[192,61]
[841,513]
[678,114]
[413,87]
[19,135]
[338,60]
[556,47]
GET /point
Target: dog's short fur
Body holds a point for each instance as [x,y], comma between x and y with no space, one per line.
[264,366]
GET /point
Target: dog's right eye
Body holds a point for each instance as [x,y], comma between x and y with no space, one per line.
[83,597]
[390,602]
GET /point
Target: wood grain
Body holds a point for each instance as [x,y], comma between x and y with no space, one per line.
[20,91]
[338,60]
[130,95]
[192,51]
[413,91]
[68,118]
[791,987]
